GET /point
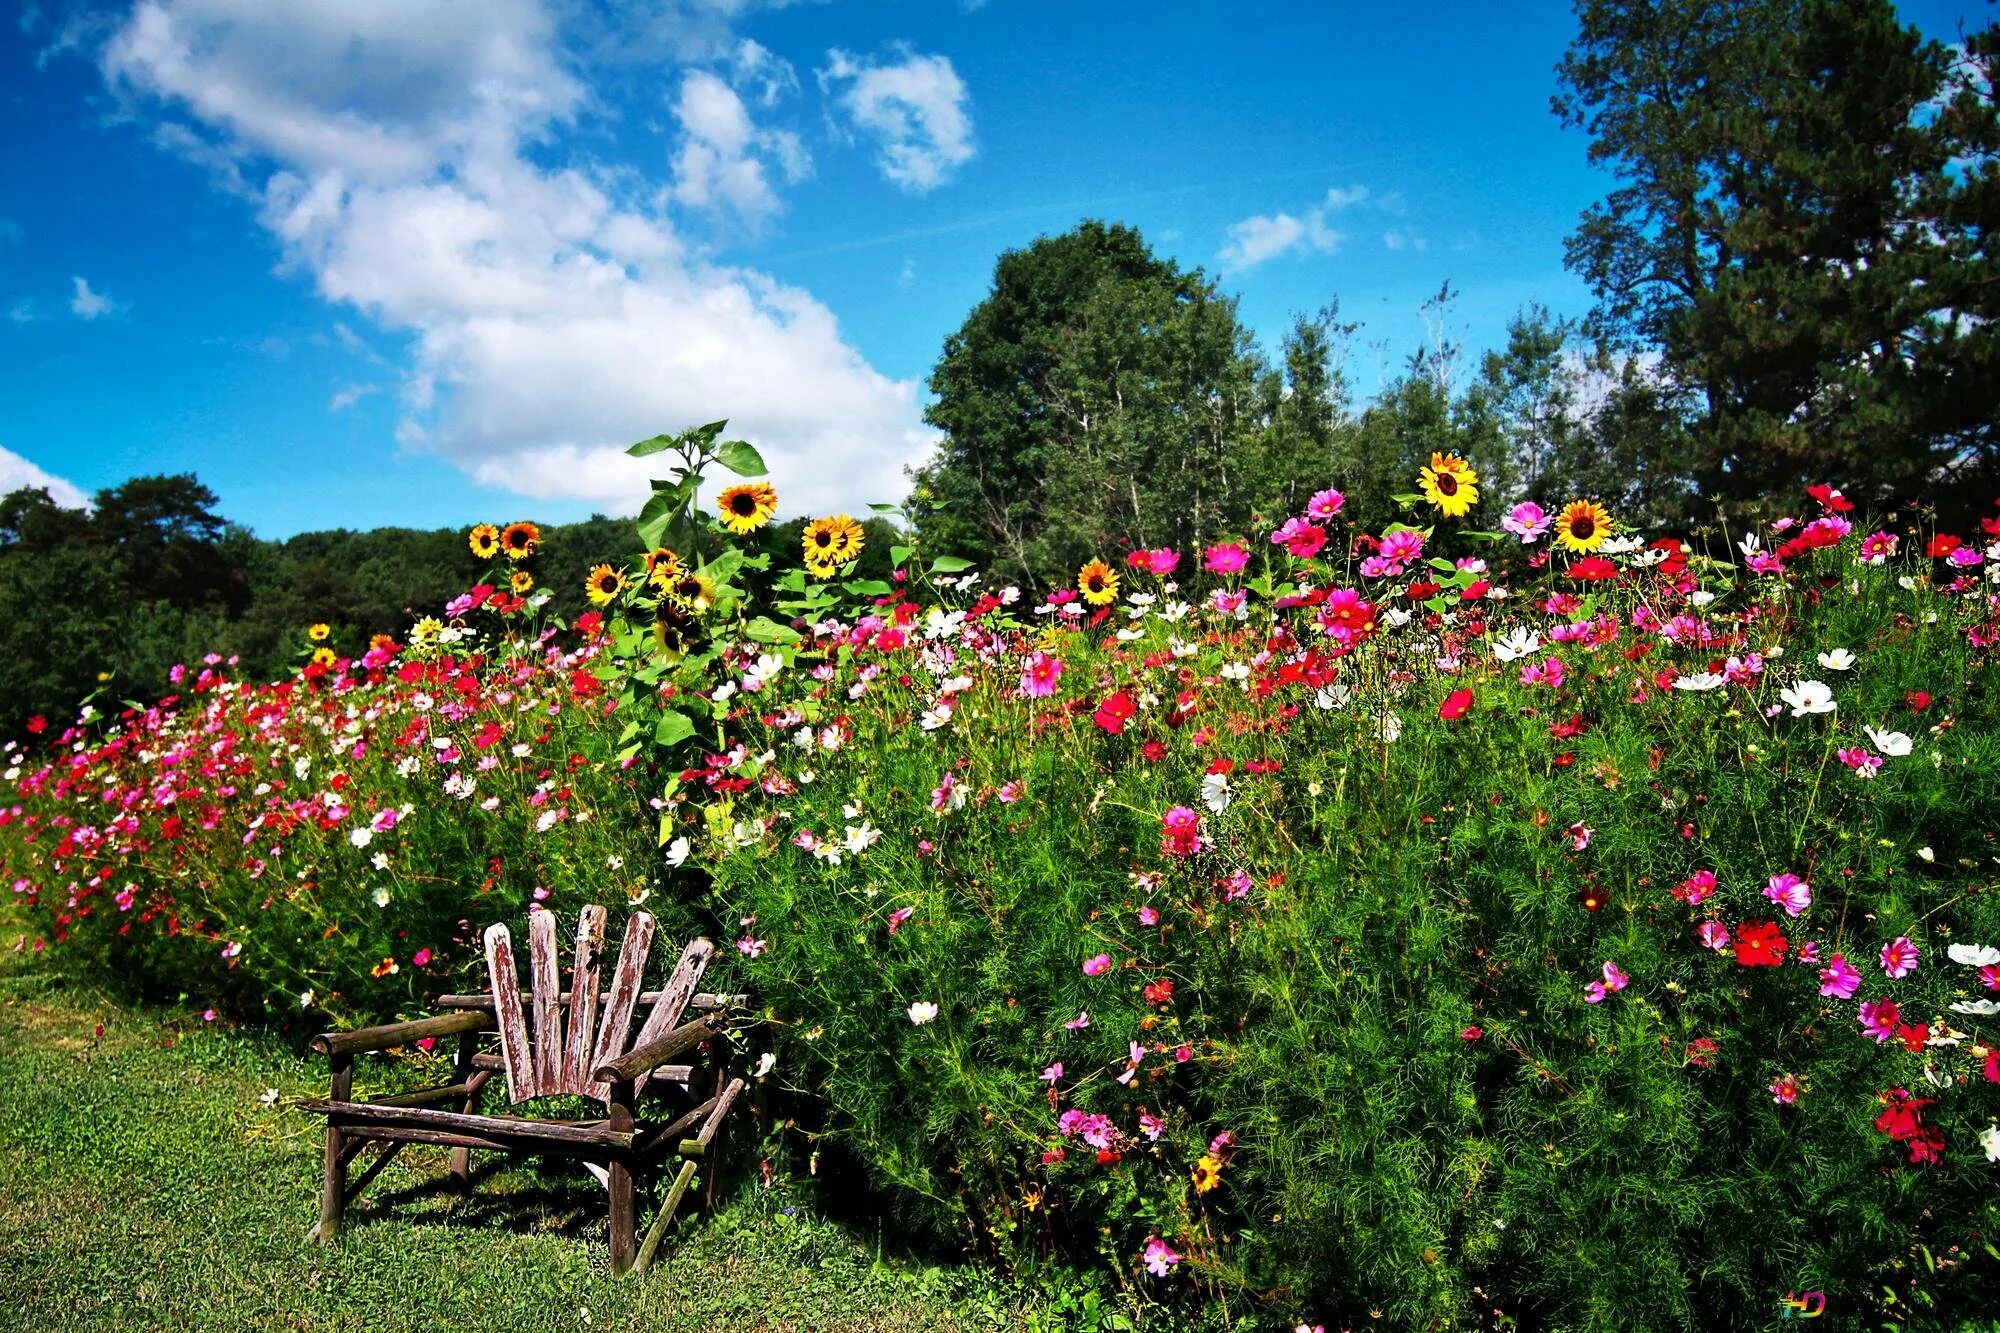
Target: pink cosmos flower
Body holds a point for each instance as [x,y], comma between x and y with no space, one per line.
[1877,547]
[1053,1074]
[1989,976]
[1713,935]
[898,917]
[1526,521]
[1039,676]
[1696,888]
[1879,1019]
[1160,1257]
[1580,834]
[1180,832]
[1151,1125]
[1228,601]
[1325,504]
[1149,916]
[1899,957]
[1301,538]
[421,958]
[1098,966]
[750,948]
[1402,546]
[1789,892]
[1839,978]
[1784,1089]
[1080,1022]
[1226,558]
[1859,758]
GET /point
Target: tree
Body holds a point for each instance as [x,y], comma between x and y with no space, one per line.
[1097,394]
[1799,230]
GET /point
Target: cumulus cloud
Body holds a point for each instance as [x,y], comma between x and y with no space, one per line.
[23,311]
[88,304]
[722,158]
[17,472]
[555,311]
[1266,236]
[915,110]
[1401,240]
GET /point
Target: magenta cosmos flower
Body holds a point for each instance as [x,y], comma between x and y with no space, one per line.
[1839,978]
[1160,1257]
[1098,966]
[1226,558]
[1325,504]
[1899,956]
[1526,521]
[1301,538]
[1180,832]
[1039,675]
[1789,892]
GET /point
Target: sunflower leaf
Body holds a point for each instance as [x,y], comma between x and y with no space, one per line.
[740,458]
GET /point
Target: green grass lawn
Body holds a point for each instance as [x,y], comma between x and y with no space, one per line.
[144,1183]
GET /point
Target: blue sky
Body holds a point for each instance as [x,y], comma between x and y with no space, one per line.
[383,262]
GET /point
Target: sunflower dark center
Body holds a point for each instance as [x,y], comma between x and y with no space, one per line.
[1447,484]
[1583,527]
[744,504]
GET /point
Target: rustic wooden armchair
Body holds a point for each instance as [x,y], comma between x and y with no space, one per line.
[582,1045]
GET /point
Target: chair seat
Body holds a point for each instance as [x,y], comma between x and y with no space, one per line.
[363,1117]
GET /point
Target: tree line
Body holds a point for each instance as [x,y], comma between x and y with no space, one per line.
[1794,283]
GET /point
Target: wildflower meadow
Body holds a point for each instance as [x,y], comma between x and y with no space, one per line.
[1488,916]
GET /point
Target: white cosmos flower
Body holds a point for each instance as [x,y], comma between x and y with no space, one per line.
[1973,955]
[922,1012]
[1984,1008]
[860,837]
[361,837]
[1891,743]
[1333,696]
[1396,617]
[1838,659]
[1807,697]
[1700,681]
[1215,792]
[933,718]
[1700,597]
[1389,728]
[1989,1139]
[1516,643]
[678,850]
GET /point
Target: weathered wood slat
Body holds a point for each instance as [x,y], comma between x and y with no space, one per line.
[616,1028]
[514,1052]
[362,1181]
[583,1001]
[656,1138]
[698,1145]
[668,1207]
[703,1000]
[641,1060]
[395,1034]
[666,1011]
[363,1117]
[546,977]
[665,1073]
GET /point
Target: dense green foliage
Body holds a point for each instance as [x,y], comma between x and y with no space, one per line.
[1801,230]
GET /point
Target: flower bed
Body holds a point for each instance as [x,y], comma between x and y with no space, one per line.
[1422,922]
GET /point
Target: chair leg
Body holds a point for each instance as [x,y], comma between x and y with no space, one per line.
[333,1191]
[461,1158]
[619,1186]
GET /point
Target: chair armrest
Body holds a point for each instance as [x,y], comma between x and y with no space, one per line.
[399,1034]
[643,1059]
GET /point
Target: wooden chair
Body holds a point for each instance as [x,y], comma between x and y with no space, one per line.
[582,1046]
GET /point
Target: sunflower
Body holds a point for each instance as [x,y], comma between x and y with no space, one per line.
[520,540]
[323,657]
[1207,1173]
[747,506]
[318,632]
[426,630]
[522,582]
[1582,526]
[830,542]
[1097,583]
[672,631]
[1450,484]
[691,592]
[484,541]
[662,567]
[604,584]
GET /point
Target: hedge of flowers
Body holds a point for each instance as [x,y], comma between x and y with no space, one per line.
[1433,925]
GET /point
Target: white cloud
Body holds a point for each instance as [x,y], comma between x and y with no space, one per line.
[23,311]
[772,77]
[1266,236]
[554,313]
[1398,240]
[722,157]
[17,472]
[916,110]
[347,395]
[88,304]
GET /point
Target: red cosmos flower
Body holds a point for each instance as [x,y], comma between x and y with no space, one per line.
[1154,751]
[1760,944]
[37,725]
[1676,562]
[1918,700]
[1421,589]
[1591,569]
[589,623]
[1455,705]
[1115,712]
[1473,592]
[584,685]
[1159,992]
[1943,545]
[1471,1033]
[1832,499]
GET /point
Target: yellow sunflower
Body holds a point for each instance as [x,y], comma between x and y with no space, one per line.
[426,630]
[603,585]
[522,582]
[672,631]
[1207,1173]
[318,632]
[747,506]
[662,567]
[1582,526]
[1450,485]
[830,542]
[1098,583]
[323,656]
[520,540]
[484,541]
[692,593]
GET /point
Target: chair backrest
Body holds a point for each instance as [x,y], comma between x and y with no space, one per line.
[565,1049]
